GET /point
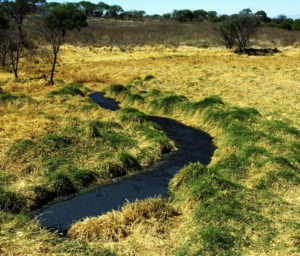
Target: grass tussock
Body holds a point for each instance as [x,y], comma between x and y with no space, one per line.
[118,225]
[141,227]
[21,236]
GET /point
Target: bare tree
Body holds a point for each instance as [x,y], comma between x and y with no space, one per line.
[56,23]
[3,39]
[16,11]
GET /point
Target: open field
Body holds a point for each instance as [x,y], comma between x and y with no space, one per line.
[246,202]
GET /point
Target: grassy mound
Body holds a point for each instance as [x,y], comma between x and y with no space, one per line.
[117,225]
[79,153]
[71,89]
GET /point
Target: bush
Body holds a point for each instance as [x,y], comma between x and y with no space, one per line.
[226,117]
[89,107]
[192,107]
[42,196]
[135,98]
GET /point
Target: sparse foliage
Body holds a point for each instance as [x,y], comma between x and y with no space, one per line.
[3,39]
[16,11]
[55,25]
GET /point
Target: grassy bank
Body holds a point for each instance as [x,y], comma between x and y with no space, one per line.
[246,202]
[73,146]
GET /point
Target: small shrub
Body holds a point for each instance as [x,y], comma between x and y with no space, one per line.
[248,151]
[276,126]
[93,129]
[42,196]
[89,107]
[238,134]
[192,107]
[53,163]
[153,93]
[114,170]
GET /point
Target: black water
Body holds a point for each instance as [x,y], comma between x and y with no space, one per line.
[193,146]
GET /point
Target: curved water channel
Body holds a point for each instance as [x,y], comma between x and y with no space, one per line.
[193,146]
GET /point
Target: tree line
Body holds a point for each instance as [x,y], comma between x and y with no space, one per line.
[117,12]
[55,20]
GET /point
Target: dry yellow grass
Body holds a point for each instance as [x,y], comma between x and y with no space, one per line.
[150,227]
[271,84]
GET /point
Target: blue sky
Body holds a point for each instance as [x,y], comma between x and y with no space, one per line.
[272,7]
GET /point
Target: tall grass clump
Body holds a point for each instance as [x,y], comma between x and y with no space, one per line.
[168,104]
[71,89]
[9,97]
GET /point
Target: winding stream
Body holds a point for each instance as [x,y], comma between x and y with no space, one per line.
[193,146]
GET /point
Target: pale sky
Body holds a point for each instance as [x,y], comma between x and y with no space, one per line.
[291,8]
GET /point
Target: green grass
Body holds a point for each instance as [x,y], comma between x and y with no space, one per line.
[231,206]
[149,77]
[132,115]
[8,97]
[192,107]
[82,153]
[118,89]
[168,104]
[71,89]
[224,118]
[11,202]
[135,98]
[21,147]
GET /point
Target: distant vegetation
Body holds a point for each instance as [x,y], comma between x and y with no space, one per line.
[52,23]
[117,12]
